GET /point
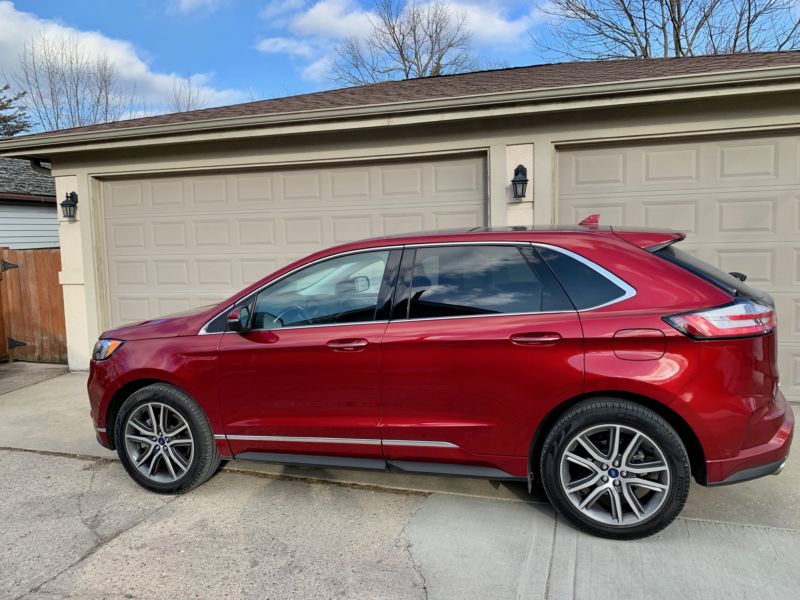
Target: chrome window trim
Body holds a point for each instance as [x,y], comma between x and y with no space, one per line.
[629,291]
[336,440]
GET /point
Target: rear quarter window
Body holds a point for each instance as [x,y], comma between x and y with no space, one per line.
[586,287]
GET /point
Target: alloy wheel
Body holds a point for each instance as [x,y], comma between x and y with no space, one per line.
[159,442]
[614,474]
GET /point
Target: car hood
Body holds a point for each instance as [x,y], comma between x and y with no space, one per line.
[179,324]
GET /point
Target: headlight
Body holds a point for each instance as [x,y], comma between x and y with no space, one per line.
[105,348]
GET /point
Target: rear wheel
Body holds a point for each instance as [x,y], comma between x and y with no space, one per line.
[164,440]
[615,469]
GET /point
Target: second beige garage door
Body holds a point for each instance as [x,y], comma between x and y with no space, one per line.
[738,200]
[174,243]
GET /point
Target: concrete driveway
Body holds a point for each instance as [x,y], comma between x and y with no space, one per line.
[73,525]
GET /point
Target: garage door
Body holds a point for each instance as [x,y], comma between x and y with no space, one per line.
[173,243]
[738,200]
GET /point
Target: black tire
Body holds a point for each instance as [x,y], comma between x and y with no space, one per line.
[204,461]
[593,415]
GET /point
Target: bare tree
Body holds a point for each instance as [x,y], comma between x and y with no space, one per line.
[66,86]
[407,40]
[583,29]
[186,95]
[13,118]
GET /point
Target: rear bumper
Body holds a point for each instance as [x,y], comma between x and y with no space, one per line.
[767,458]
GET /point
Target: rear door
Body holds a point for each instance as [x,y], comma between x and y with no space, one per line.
[482,343]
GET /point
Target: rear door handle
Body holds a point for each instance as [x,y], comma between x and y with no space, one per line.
[348,345]
[527,339]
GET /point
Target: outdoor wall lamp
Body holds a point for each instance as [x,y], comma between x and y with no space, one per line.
[520,181]
[69,204]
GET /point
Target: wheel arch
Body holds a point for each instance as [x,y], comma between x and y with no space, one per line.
[119,397]
[690,440]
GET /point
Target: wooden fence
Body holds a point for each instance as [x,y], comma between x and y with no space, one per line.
[32,326]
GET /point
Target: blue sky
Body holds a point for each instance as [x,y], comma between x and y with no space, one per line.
[238,50]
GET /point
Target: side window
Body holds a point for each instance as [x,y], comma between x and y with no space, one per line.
[340,290]
[585,286]
[451,281]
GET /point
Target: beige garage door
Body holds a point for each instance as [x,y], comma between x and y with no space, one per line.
[173,243]
[738,200]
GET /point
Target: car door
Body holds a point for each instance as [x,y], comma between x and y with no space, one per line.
[304,379]
[483,342]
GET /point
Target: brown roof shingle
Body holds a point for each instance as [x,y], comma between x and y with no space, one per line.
[537,77]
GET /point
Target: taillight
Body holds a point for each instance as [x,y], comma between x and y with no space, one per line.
[742,318]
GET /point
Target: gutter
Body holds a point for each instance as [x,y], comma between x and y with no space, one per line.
[666,86]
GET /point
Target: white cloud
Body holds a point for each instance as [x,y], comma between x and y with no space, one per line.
[283,45]
[188,6]
[495,25]
[332,19]
[155,88]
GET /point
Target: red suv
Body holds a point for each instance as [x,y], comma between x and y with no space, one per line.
[605,363]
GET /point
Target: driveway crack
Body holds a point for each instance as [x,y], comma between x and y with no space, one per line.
[404,541]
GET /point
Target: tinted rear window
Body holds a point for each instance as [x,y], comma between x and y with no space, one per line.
[586,287]
[710,273]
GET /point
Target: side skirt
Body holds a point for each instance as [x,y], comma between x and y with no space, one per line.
[378,464]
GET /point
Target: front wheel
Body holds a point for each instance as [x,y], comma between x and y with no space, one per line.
[615,469]
[164,440]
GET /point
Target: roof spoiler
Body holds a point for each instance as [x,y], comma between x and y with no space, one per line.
[651,240]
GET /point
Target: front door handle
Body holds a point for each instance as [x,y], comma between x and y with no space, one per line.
[348,345]
[527,339]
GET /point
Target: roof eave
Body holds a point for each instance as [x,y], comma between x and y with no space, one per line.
[738,82]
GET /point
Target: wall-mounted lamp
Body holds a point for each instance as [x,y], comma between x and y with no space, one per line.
[520,182]
[69,205]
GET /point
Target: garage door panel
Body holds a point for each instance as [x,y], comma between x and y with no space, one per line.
[737,200]
[183,241]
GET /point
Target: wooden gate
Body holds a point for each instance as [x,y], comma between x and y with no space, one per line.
[32,324]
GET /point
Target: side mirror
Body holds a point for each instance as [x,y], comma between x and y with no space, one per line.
[361,283]
[238,319]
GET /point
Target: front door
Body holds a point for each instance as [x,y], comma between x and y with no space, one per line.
[482,343]
[305,378]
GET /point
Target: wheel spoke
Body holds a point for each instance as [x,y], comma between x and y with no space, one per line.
[616,505]
[162,419]
[139,438]
[178,460]
[613,442]
[180,442]
[144,456]
[632,501]
[646,468]
[153,418]
[593,451]
[631,448]
[141,427]
[647,484]
[582,484]
[168,461]
[152,468]
[177,430]
[583,462]
[592,498]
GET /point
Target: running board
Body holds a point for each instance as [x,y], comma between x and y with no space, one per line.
[377,464]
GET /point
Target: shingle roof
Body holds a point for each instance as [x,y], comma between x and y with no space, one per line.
[17,178]
[537,77]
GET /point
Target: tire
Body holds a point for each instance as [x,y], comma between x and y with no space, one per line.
[166,465]
[577,462]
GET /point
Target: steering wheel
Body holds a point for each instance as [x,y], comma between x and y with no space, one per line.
[299,310]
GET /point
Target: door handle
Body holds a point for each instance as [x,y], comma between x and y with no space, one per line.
[348,345]
[527,339]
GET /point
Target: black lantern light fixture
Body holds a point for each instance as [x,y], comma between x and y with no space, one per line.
[519,183]
[69,205]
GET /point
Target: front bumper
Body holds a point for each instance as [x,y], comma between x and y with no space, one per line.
[767,458]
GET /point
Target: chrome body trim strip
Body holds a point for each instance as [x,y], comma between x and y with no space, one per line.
[335,440]
[100,429]
[305,440]
[419,443]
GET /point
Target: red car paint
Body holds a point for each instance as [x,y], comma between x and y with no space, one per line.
[477,388]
